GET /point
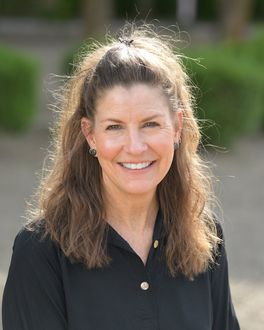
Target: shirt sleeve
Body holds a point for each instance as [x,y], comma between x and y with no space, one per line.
[33,296]
[224,316]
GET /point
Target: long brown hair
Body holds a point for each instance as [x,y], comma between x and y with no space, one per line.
[70,202]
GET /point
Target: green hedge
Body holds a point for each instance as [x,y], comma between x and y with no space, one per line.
[231,87]
[251,50]
[71,58]
[230,93]
[59,9]
[229,96]
[206,9]
[18,90]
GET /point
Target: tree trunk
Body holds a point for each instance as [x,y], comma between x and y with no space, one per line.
[97,16]
[234,16]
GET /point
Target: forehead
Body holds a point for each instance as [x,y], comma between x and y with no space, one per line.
[137,99]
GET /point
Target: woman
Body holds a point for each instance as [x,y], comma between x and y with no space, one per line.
[125,236]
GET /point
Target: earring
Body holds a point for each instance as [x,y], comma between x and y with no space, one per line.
[176,145]
[92,152]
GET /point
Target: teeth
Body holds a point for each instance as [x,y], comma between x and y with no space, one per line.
[137,166]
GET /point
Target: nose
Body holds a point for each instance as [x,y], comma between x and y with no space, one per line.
[135,142]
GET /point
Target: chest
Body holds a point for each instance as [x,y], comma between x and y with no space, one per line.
[140,244]
[129,295]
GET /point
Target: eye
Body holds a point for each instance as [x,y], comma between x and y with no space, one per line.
[151,124]
[113,127]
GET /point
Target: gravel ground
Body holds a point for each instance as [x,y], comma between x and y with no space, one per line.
[241,192]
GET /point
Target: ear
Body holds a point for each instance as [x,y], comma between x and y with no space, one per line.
[86,127]
[178,125]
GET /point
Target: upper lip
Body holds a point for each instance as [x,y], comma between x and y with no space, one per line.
[139,162]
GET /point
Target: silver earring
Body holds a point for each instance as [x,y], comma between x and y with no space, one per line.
[92,152]
[176,145]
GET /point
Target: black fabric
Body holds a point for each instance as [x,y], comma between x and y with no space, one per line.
[45,291]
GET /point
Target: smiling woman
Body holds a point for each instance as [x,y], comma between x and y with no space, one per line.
[135,154]
[123,235]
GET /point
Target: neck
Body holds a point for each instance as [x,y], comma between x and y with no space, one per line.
[130,212]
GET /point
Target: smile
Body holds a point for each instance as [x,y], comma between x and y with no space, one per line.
[136,166]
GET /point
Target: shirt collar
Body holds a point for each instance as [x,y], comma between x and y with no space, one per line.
[113,237]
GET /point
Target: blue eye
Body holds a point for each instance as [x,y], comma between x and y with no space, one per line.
[151,124]
[113,127]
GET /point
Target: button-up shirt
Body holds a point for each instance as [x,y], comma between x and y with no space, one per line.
[45,291]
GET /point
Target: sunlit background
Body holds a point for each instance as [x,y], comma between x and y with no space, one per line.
[38,43]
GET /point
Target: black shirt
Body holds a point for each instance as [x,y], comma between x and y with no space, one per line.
[45,291]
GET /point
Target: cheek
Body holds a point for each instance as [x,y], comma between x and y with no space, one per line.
[107,148]
[163,142]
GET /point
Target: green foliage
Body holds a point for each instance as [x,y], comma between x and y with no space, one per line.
[18,90]
[207,10]
[58,9]
[17,8]
[165,8]
[125,9]
[63,9]
[258,10]
[69,62]
[230,98]
[131,9]
[252,51]
[72,58]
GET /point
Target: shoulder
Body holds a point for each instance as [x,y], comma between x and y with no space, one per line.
[28,239]
[33,296]
[33,248]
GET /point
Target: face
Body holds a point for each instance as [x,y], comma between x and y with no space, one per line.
[133,134]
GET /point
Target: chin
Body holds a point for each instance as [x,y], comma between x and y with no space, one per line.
[141,189]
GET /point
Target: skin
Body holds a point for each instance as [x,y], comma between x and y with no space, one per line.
[133,125]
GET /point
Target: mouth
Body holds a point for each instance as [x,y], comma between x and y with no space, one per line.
[137,166]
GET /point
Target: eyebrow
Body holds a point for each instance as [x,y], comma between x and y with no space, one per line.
[115,120]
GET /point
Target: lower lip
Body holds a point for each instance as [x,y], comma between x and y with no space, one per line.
[138,170]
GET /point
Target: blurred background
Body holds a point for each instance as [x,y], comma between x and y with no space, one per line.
[38,40]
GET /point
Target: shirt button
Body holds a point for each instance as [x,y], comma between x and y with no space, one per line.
[156,244]
[144,285]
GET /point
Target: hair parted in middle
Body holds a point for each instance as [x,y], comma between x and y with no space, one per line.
[70,196]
